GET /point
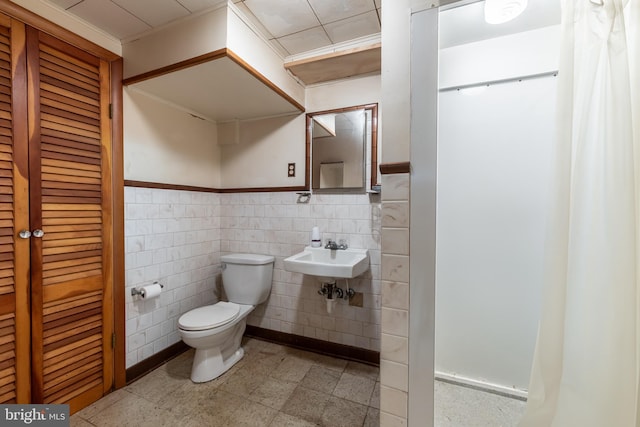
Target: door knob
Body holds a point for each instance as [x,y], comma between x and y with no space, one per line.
[38,233]
[24,234]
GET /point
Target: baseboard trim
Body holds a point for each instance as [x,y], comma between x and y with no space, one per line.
[500,390]
[315,345]
[342,351]
[149,364]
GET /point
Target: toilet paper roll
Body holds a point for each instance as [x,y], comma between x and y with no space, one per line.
[150,291]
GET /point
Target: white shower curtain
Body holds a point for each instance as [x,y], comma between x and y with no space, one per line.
[585,371]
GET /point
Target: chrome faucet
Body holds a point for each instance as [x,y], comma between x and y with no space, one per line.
[331,244]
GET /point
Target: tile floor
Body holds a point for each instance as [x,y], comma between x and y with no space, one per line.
[272,385]
[278,386]
[458,406]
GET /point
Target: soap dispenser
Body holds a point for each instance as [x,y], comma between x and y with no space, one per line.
[315,238]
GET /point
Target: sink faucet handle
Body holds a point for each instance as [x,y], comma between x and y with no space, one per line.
[342,244]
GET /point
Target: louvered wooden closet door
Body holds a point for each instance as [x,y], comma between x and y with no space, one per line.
[14,217]
[70,156]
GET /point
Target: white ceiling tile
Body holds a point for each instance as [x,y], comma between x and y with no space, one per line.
[282,17]
[303,41]
[278,46]
[154,12]
[334,10]
[65,4]
[354,27]
[109,17]
[254,20]
[198,5]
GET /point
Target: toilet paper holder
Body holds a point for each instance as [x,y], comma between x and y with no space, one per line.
[138,291]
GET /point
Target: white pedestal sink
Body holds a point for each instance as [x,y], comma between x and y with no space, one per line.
[336,263]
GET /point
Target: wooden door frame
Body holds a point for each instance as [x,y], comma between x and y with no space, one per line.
[116,67]
[120,374]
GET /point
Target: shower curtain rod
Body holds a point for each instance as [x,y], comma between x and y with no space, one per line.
[500,81]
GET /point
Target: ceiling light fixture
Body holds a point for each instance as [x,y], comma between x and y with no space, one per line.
[501,11]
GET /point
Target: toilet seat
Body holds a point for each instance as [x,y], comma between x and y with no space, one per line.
[209,316]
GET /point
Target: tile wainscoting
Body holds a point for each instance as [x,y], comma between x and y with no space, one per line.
[394,356]
[173,237]
[177,237]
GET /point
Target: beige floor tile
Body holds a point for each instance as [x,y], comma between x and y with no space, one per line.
[272,348]
[285,420]
[263,363]
[293,368]
[243,383]
[321,379]
[202,420]
[273,393]
[217,412]
[76,421]
[133,411]
[251,345]
[301,355]
[363,370]
[180,366]
[355,388]
[157,384]
[343,413]
[251,393]
[329,362]
[373,418]
[374,402]
[103,403]
[252,414]
[306,404]
[189,398]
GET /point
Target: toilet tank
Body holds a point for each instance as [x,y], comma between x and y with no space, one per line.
[246,278]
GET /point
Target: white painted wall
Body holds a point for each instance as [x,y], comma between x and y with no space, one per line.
[266,146]
[343,93]
[494,148]
[255,50]
[205,33]
[396,143]
[422,244]
[521,54]
[260,158]
[182,40]
[166,145]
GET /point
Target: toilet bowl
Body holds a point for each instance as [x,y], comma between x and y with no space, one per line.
[215,331]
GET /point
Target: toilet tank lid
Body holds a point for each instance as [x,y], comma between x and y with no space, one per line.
[253,259]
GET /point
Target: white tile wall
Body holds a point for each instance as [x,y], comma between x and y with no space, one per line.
[273,223]
[173,237]
[177,237]
[394,355]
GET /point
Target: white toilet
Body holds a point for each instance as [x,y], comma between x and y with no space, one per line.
[215,331]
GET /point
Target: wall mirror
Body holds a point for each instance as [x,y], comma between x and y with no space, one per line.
[344,156]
